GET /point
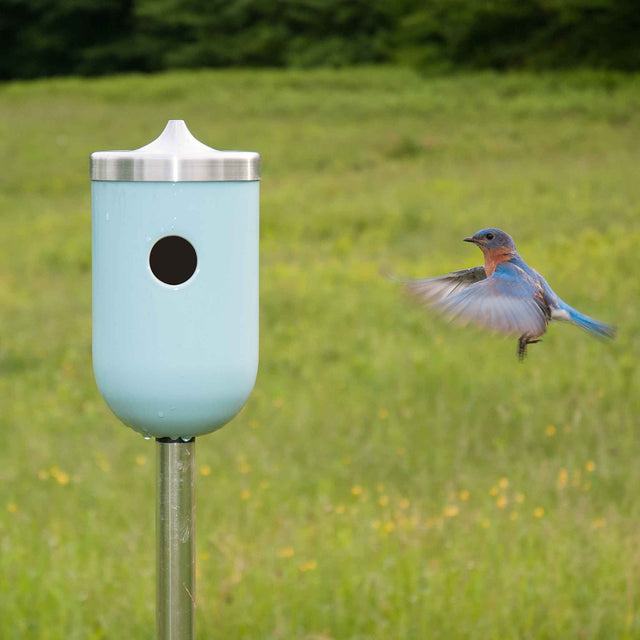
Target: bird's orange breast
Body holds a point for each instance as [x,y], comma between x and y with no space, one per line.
[494,257]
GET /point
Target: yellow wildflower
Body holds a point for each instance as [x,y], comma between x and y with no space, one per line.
[340,509]
[463,495]
[12,507]
[538,512]
[311,565]
[563,478]
[286,552]
[404,503]
[450,511]
[389,527]
[502,502]
[383,501]
[519,498]
[503,483]
[590,466]
[356,490]
[599,523]
[245,495]
[205,470]
[513,515]
[383,414]
[494,491]
[141,460]
[550,430]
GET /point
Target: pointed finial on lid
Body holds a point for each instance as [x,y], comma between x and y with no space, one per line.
[176,139]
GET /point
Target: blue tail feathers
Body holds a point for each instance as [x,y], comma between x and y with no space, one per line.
[589,324]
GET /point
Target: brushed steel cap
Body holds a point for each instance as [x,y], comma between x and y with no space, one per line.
[175,156]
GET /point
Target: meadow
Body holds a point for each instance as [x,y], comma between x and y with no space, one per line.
[392,477]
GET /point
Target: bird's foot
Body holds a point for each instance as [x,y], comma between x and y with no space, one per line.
[522,349]
[522,346]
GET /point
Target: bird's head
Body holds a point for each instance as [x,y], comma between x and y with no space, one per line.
[491,239]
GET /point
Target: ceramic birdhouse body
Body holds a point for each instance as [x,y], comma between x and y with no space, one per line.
[175,283]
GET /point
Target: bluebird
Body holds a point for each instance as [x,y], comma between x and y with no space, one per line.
[505,295]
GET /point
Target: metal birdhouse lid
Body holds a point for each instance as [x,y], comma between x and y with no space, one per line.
[175,156]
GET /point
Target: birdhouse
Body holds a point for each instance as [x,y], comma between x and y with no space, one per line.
[175,283]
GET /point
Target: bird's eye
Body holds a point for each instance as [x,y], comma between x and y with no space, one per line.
[489,236]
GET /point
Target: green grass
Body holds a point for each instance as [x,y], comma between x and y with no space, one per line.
[371,418]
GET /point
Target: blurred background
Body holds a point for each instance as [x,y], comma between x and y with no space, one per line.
[391,476]
[94,37]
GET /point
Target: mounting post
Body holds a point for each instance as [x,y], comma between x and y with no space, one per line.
[175,535]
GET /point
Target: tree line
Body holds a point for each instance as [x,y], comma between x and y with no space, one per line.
[94,37]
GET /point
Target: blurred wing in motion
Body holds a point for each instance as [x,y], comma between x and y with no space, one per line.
[435,289]
[510,302]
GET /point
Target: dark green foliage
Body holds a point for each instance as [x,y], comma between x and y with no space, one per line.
[52,37]
[201,33]
[503,34]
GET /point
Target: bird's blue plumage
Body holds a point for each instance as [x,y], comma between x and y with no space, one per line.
[505,302]
[505,295]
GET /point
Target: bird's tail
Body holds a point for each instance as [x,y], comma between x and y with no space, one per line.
[590,324]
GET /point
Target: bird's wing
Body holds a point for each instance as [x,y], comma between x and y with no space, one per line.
[434,289]
[509,301]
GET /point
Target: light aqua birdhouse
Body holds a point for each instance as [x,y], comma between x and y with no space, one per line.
[175,283]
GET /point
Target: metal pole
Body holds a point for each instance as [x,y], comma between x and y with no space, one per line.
[175,567]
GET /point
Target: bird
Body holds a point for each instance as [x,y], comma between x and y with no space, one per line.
[505,294]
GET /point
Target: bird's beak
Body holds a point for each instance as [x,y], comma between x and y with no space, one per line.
[469,240]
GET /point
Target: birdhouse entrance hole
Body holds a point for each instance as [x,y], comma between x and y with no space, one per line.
[173,260]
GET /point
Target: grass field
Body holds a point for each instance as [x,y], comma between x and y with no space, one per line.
[392,477]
